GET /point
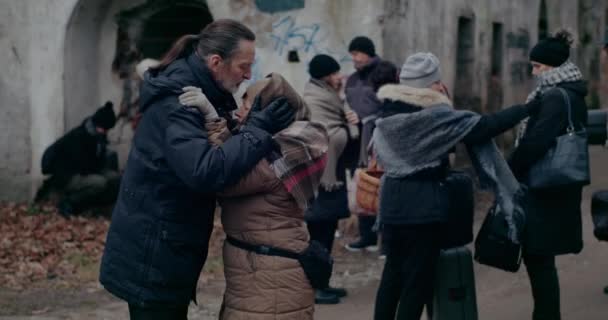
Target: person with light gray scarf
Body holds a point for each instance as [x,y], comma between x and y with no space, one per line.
[416,130]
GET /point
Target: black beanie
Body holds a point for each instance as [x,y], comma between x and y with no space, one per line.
[362,44]
[552,51]
[104,117]
[322,65]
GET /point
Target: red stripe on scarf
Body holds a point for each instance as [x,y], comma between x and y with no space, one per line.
[318,165]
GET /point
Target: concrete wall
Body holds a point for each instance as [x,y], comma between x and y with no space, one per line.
[322,26]
[58,53]
[14,101]
[439,35]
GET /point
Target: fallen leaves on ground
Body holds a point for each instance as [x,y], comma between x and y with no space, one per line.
[36,243]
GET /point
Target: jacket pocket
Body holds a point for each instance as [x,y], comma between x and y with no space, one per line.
[132,199]
[179,254]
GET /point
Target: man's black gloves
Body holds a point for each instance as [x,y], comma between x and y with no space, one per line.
[276,116]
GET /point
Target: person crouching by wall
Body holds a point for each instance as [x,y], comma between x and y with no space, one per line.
[80,166]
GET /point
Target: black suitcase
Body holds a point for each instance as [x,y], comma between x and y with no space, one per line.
[597,133]
[599,214]
[458,231]
[455,297]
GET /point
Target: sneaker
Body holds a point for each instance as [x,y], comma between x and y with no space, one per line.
[339,292]
[359,245]
[324,297]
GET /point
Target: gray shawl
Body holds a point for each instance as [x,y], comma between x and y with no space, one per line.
[407,143]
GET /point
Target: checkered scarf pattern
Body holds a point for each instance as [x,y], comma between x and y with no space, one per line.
[567,72]
[303,158]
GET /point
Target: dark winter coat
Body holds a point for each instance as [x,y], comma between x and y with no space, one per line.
[362,99]
[161,224]
[80,151]
[553,223]
[422,198]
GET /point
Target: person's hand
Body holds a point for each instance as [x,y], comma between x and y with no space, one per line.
[352,117]
[534,106]
[276,116]
[194,97]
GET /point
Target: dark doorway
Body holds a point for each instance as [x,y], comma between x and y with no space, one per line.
[543,22]
[162,29]
[495,83]
[465,60]
[495,94]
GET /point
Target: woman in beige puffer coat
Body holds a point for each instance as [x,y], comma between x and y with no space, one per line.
[266,207]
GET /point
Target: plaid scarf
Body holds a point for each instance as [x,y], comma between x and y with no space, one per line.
[303,158]
[567,72]
[303,144]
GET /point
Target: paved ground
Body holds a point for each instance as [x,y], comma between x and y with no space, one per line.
[500,295]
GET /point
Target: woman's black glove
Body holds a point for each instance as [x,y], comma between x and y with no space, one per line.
[276,116]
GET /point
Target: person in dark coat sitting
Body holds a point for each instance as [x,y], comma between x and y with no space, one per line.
[82,169]
[158,239]
[553,221]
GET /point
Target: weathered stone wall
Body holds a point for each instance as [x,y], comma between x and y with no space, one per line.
[14,101]
[58,54]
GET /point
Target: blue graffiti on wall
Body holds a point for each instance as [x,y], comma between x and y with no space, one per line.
[287,35]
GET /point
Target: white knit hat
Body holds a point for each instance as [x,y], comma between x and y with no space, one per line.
[420,70]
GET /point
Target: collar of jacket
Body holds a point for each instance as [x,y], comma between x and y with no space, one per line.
[322,84]
[367,69]
[220,98]
[414,96]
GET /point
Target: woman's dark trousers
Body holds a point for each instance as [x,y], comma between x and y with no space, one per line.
[545,286]
[323,231]
[408,278]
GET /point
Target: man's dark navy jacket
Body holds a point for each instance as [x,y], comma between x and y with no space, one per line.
[158,238]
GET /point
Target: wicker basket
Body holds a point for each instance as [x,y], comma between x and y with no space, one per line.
[367,193]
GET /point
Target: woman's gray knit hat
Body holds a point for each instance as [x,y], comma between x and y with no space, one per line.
[420,70]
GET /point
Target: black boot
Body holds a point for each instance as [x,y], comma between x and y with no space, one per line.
[339,292]
[606,290]
[324,297]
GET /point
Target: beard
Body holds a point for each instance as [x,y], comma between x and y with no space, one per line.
[230,86]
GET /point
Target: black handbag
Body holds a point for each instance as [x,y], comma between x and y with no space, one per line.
[566,163]
[499,241]
[315,260]
[458,231]
[599,214]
